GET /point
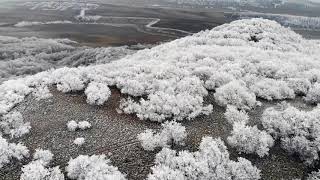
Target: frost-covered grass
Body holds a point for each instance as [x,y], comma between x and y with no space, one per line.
[171,133]
[298,130]
[210,162]
[93,167]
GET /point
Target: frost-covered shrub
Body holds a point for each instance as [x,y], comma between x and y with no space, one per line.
[218,79]
[235,93]
[313,95]
[45,156]
[68,79]
[300,86]
[9,151]
[171,132]
[161,106]
[13,124]
[97,93]
[93,167]
[271,89]
[38,168]
[83,125]
[315,175]
[210,162]
[233,115]
[250,139]
[79,141]
[72,125]
[42,92]
[299,131]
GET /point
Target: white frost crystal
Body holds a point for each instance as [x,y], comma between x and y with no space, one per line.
[93,167]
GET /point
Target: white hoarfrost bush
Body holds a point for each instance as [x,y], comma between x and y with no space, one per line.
[299,131]
[8,151]
[97,93]
[45,156]
[72,125]
[218,79]
[237,94]
[41,92]
[82,125]
[13,124]
[300,86]
[248,139]
[313,95]
[271,89]
[233,115]
[38,168]
[315,175]
[69,79]
[161,106]
[171,132]
[210,162]
[79,141]
[93,167]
